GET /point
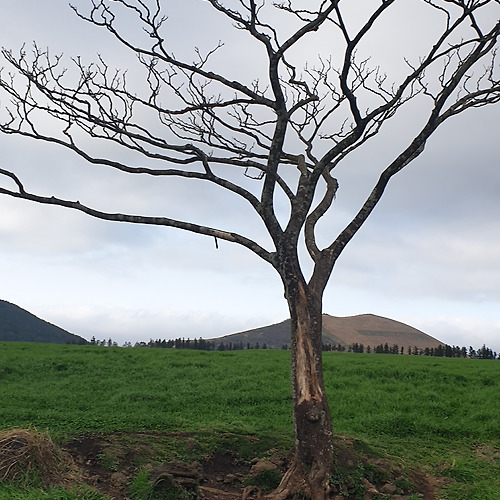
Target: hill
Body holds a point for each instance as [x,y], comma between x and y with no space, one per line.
[366,329]
[19,325]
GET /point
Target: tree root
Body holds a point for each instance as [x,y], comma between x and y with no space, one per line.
[297,484]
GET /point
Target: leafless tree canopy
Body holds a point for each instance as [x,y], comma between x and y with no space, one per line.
[279,134]
[307,118]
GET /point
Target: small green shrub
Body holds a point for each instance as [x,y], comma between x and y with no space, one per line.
[143,488]
[107,461]
[267,479]
[404,484]
[348,481]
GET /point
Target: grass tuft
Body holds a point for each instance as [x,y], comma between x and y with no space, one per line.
[32,459]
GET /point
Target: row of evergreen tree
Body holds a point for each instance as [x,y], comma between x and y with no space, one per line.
[446,350]
[182,343]
[201,344]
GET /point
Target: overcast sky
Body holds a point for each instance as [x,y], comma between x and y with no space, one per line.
[429,256]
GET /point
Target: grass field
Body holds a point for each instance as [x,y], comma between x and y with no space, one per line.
[437,413]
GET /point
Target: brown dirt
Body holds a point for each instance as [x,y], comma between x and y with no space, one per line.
[110,462]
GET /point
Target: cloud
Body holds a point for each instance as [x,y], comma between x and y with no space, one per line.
[464,330]
[140,324]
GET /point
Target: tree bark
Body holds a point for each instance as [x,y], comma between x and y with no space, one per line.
[309,472]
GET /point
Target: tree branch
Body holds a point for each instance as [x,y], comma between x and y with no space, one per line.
[136,219]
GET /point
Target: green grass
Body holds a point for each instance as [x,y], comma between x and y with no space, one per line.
[441,414]
[413,396]
[13,492]
[72,389]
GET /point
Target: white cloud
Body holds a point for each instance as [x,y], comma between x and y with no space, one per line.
[464,330]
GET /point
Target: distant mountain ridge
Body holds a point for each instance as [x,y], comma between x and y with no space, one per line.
[367,329]
[19,325]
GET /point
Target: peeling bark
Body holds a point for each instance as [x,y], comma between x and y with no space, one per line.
[310,469]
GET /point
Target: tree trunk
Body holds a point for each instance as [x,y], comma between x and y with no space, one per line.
[309,472]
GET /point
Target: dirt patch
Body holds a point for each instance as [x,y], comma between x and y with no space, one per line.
[111,468]
[113,463]
[358,474]
[484,452]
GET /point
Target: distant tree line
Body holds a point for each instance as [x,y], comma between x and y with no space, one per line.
[201,344]
[103,343]
[441,351]
[183,343]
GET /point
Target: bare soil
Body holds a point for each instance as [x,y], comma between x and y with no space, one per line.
[110,463]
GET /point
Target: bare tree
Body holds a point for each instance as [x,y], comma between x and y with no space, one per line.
[283,134]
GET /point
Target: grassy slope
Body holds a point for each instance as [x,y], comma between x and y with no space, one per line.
[439,413]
